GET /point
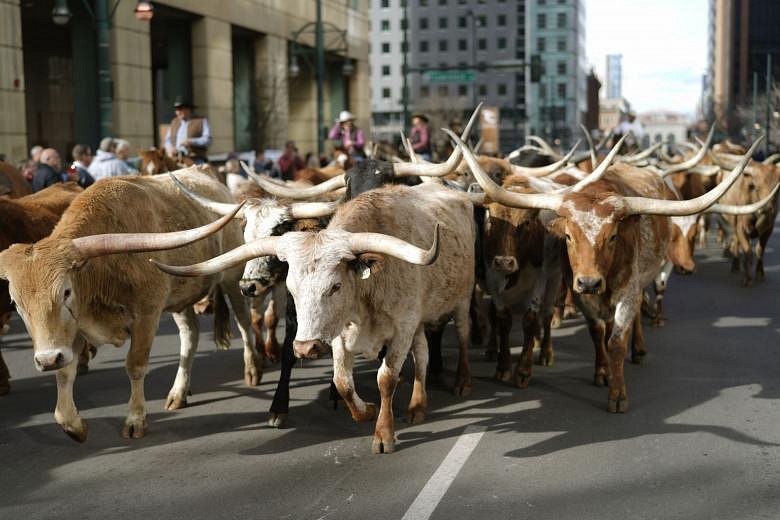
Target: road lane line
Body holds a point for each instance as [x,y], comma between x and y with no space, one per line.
[424,505]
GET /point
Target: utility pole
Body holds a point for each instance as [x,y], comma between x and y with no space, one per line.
[768,103]
[755,97]
[405,66]
[105,94]
[320,72]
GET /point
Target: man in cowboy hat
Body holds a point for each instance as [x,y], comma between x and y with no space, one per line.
[346,135]
[188,135]
[420,136]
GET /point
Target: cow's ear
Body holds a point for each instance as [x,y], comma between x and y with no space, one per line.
[557,227]
[367,264]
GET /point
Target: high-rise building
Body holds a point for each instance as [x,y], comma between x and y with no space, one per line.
[465,51]
[742,35]
[614,76]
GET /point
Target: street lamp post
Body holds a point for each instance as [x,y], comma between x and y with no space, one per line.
[470,13]
[320,71]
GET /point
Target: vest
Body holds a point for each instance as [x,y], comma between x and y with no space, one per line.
[194,129]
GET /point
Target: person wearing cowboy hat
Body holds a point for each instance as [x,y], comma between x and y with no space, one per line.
[346,135]
[420,136]
[188,135]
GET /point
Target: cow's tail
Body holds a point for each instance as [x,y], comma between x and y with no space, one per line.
[222,330]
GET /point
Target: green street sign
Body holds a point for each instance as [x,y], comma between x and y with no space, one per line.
[451,76]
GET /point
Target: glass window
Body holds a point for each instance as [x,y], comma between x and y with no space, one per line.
[540,44]
[385,3]
[501,20]
[386,93]
[562,68]
[444,90]
[442,2]
[501,43]
[482,44]
[462,90]
[561,20]
[561,45]
[423,3]
[423,46]
[541,21]
[463,45]
[443,22]
[482,21]
[385,25]
[442,45]
[502,89]
[425,91]
[562,90]
[462,22]
[482,90]
[385,70]
[385,48]
[423,23]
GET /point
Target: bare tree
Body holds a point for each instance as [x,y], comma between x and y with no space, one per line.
[747,121]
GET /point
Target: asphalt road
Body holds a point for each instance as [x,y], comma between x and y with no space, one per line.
[700,440]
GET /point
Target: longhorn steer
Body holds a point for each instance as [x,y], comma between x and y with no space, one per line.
[363,290]
[617,232]
[64,288]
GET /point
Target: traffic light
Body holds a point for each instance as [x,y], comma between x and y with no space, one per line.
[536,68]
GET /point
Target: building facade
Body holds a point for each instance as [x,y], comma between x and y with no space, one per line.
[743,33]
[614,76]
[232,59]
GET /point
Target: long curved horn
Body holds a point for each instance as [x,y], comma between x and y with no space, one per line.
[599,172]
[286,192]
[665,156]
[499,194]
[111,243]
[265,246]
[606,139]
[441,169]
[647,206]
[708,171]
[644,154]
[591,148]
[300,210]
[390,245]
[747,209]
[545,170]
[524,148]
[478,146]
[220,208]
[690,146]
[772,159]
[544,144]
[696,159]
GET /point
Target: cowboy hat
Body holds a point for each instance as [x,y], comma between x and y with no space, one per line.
[421,116]
[346,115]
[182,101]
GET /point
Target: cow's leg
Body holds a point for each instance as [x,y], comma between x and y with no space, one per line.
[503,326]
[747,258]
[462,325]
[280,406]
[660,283]
[569,309]
[256,318]
[5,375]
[638,346]
[479,325]
[617,344]
[274,310]
[136,364]
[387,379]
[530,339]
[546,354]
[418,404]
[760,248]
[253,365]
[189,329]
[598,332]
[491,348]
[433,336]
[343,363]
[66,414]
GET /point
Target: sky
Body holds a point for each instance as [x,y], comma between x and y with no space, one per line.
[664,48]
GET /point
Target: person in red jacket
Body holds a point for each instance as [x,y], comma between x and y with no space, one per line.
[290,162]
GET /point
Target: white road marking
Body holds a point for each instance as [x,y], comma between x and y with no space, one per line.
[434,490]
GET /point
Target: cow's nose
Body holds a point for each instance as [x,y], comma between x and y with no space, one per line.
[311,349]
[249,287]
[588,284]
[505,264]
[52,359]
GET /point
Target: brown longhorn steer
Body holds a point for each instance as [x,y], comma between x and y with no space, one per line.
[617,230]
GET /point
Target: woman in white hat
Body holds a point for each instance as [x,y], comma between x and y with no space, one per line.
[346,135]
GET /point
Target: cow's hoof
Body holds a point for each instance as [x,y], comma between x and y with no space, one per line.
[77,432]
[569,311]
[522,380]
[601,380]
[546,360]
[491,355]
[462,388]
[252,376]
[504,375]
[638,358]
[368,415]
[555,321]
[619,405]
[658,322]
[175,401]
[415,417]
[134,428]
[277,420]
[379,446]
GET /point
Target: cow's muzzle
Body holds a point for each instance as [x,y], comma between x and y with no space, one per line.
[589,284]
[311,349]
[52,359]
[504,264]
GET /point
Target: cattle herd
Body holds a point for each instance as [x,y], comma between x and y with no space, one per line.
[374,261]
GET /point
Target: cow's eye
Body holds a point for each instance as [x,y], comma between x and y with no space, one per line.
[568,237]
[613,238]
[66,294]
[334,289]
